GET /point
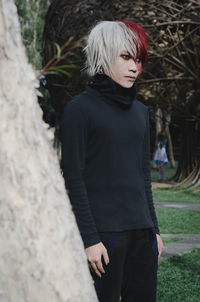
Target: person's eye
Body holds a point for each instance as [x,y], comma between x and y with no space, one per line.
[138,60]
[125,57]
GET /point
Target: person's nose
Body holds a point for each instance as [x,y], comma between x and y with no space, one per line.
[133,67]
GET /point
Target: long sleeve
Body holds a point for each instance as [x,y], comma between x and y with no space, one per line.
[147,175]
[74,135]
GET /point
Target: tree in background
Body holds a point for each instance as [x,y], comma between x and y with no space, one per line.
[31,15]
[173,74]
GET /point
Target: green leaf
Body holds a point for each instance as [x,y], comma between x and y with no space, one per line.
[51,72]
[58,50]
[58,70]
[70,66]
[69,41]
[65,72]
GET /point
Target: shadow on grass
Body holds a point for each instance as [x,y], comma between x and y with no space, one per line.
[184,264]
[179,278]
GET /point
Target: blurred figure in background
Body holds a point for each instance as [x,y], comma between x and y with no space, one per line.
[160,157]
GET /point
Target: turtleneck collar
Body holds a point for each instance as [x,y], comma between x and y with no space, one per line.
[113,93]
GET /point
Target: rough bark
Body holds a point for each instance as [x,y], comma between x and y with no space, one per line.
[188,171]
[158,126]
[158,118]
[169,140]
[41,251]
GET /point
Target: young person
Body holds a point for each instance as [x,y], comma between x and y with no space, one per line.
[106,166]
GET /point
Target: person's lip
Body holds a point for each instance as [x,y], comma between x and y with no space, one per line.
[131,78]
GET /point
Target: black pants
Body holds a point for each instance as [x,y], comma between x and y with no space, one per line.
[132,270]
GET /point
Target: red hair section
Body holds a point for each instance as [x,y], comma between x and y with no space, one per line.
[143,37]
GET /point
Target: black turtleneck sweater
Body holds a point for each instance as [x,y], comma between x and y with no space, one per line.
[106,160]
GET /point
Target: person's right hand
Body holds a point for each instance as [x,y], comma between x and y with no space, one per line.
[94,254]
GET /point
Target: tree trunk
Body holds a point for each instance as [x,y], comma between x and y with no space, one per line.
[163,120]
[189,163]
[158,118]
[169,140]
[41,251]
[188,171]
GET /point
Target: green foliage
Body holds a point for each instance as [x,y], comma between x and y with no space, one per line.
[179,278]
[31,15]
[174,221]
[169,172]
[171,239]
[176,195]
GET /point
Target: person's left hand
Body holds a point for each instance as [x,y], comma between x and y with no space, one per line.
[160,245]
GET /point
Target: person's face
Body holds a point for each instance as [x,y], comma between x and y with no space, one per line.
[125,70]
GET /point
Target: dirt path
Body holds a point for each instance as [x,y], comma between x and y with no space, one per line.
[187,243]
[178,205]
[156,185]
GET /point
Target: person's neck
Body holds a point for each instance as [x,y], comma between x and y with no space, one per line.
[112,91]
[122,90]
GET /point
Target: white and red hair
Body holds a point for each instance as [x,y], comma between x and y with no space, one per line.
[108,39]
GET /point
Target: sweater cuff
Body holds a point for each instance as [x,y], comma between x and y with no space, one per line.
[156,230]
[90,239]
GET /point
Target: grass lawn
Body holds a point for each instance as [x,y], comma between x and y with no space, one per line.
[169,172]
[174,221]
[172,194]
[179,278]
[172,239]
[176,195]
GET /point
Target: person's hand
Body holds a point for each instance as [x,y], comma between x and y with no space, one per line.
[94,254]
[160,245]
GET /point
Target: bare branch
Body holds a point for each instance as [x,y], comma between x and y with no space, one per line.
[166,79]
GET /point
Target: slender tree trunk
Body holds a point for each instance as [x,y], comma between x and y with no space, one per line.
[158,119]
[169,140]
[159,116]
[41,251]
[163,120]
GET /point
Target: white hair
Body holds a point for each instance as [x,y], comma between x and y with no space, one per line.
[105,42]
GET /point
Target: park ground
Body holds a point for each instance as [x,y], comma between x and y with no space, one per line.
[178,212]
